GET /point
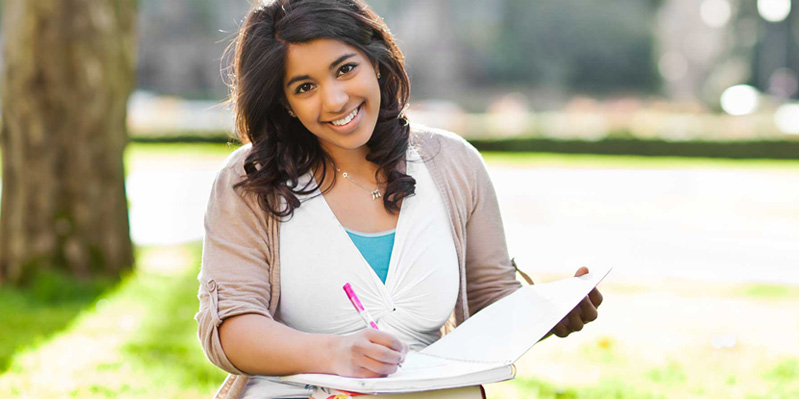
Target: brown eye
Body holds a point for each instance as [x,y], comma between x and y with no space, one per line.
[303,88]
[345,69]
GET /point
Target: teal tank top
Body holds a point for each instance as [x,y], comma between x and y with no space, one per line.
[376,249]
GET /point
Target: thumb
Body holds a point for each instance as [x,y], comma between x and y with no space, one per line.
[581,271]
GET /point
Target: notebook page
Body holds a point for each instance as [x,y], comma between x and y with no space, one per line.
[417,372]
[505,330]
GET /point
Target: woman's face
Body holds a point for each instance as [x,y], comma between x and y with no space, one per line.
[332,89]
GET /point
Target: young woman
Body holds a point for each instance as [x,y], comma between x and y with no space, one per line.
[335,187]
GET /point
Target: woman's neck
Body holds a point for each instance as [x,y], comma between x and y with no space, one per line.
[353,162]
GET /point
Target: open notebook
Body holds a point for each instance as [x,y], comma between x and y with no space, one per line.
[482,349]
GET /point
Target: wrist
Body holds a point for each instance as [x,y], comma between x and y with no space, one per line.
[325,353]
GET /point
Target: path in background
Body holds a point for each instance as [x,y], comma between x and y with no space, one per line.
[702,224]
[719,225]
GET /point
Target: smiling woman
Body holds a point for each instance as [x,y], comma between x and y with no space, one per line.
[338,103]
[412,224]
[300,67]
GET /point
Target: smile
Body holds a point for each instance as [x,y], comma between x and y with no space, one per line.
[347,119]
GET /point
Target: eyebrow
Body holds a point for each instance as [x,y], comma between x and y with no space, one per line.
[332,66]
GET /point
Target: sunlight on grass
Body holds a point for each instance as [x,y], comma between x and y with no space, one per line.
[769,291]
[31,316]
[138,341]
[137,338]
[639,348]
[143,155]
[689,375]
[551,160]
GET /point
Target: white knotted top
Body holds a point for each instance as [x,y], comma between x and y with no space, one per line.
[318,257]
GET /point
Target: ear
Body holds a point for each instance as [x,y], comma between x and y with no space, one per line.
[376,67]
[287,107]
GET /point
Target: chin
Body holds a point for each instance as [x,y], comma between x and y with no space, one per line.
[355,139]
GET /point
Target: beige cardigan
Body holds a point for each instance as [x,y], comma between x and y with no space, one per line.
[240,264]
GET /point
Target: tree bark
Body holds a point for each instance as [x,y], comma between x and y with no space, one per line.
[68,69]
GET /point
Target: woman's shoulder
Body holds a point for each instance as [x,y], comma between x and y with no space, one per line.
[231,173]
[442,145]
[234,163]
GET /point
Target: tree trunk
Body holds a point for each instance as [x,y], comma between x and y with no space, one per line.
[68,69]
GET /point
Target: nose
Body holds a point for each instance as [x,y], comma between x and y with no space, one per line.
[334,98]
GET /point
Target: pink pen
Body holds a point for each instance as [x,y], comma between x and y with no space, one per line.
[359,307]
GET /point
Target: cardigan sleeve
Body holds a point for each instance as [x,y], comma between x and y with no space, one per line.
[234,275]
[490,275]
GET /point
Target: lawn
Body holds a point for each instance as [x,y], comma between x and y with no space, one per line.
[136,339]
[137,153]
[655,339]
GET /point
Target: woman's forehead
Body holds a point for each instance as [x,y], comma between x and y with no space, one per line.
[316,56]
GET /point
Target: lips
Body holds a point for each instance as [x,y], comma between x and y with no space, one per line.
[342,122]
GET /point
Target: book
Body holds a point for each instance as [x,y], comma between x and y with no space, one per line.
[472,392]
[483,349]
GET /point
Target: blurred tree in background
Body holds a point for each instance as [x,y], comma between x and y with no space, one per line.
[68,69]
[572,45]
[453,47]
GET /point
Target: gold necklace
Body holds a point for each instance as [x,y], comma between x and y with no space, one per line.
[375,193]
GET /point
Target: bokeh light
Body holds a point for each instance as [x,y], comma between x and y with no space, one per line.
[673,66]
[787,118]
[783,83]
[715,13]
[774,10]
[740,100]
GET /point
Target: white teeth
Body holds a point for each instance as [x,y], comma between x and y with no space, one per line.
[345,120]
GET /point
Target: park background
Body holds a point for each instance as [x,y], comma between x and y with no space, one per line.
[660,137]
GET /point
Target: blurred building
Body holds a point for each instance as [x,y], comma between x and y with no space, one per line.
[707,46]
[474,51]
[182,42]
[465,50]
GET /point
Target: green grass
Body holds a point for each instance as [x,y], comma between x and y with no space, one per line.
[165,343]
[31,316]
[135,150]
[550,160]
[610,388]
[137,340]
[769,291]
[141,153]
[516,159]
[692,377]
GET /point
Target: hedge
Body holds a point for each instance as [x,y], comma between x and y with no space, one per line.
[759,149]
[755,149]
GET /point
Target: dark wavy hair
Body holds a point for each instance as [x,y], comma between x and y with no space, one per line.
[282,148]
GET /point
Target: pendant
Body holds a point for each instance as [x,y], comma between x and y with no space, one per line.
[376,194]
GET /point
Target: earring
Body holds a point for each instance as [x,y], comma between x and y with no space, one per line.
[378,75]
[291,113]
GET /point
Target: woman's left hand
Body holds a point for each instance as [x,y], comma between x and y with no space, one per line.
[583,313]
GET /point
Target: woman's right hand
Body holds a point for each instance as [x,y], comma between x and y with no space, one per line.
[367,353]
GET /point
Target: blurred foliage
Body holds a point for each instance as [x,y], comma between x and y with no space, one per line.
[569,45]
[579,44]
[582,45]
